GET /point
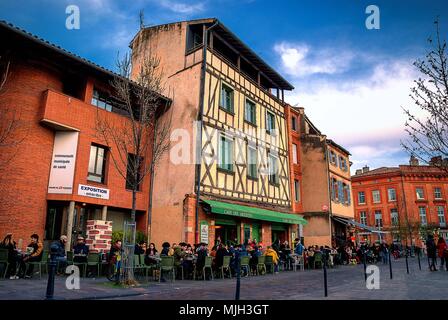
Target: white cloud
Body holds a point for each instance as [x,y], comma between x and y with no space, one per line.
[182,7]
[362,113]
[301,60]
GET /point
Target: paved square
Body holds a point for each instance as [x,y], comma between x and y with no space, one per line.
[344,282]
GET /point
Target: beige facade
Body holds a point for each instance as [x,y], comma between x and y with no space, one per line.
[179,46]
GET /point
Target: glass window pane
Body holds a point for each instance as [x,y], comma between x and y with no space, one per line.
[99,162]
[92,158]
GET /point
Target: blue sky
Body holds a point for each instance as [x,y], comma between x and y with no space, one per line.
[350,80]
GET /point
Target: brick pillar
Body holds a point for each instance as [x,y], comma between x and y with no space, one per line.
[99,235]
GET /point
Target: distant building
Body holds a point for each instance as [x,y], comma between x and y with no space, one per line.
[407,201]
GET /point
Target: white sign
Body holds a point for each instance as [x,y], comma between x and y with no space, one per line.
[63,162]
[93,192]
[204,233]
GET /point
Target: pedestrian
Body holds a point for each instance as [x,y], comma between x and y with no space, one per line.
[431,250]
[58,251]
[441,247]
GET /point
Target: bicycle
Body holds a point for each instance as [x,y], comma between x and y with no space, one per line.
[113,269]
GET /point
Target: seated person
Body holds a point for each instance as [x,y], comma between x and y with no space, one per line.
[13,258]
[150,254]
[272,253]
[34,254]
[80,251]
[140,248]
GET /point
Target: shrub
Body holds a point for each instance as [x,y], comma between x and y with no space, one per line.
[118,235]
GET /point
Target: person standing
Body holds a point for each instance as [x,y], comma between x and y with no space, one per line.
[441,247]
[431,250]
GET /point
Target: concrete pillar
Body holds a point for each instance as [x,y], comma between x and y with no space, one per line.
[104,213]
[71,213]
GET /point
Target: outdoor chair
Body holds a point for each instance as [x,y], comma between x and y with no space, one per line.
[167,264]
[43,263]
[137,264]
[317,260]
[4,260]
[145,267]
[93,259]
[207,265]
[244,263]
[268,262]
[261,265]
[70,261]
[298,263]
[226,266]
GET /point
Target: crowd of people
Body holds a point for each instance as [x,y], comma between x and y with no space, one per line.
[187,258]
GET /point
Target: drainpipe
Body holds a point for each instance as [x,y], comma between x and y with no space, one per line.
[199,127]
[329,191]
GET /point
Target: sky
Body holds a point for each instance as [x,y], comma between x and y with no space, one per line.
[351,80]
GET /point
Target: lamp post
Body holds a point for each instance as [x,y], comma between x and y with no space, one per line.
[325,274]
[51,273]
[238,275]
[390,265]
[407,264]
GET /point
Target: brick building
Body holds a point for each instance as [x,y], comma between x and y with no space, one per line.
[229,104]
[405,201]
[320,180]
[60,174]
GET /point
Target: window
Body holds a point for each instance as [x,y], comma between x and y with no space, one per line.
[294,154]
[97,164]
[441,215]
[226,153]
[378,219]
[130,171]
[297,190]
[394,217]
[273,169]
[333,158]
[101,100]
[341,195]
[437,193]
[347,198]
[342,163]
[226,98]
[294,123]
[391,194]
[376,196]
[270,122]
[334,189]
[361,197]
[419,193]
[422,213]
[252,162]
[363,217]
[250,112]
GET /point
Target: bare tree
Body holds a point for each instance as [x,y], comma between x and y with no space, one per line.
[428,137]
[140,141]
[10,124]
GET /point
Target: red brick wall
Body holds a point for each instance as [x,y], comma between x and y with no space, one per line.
[35,91]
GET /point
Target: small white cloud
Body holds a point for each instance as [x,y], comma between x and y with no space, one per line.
[182,7]
[301,60]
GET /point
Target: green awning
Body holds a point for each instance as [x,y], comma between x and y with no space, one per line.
[253,213]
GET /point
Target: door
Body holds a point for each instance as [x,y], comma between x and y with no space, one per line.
[256,232]
[246,233]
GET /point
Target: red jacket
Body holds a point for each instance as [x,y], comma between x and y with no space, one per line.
[441,247]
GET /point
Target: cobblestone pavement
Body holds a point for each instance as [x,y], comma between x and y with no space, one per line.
[344,282]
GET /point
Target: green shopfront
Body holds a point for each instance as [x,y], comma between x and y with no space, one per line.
[233,223]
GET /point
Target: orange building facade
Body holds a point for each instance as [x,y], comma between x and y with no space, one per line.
[60,173]
[406,202]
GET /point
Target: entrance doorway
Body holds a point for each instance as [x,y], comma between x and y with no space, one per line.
[228,233]
[279,232]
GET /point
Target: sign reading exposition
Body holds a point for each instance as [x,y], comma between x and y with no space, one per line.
[93,192]
[63,162]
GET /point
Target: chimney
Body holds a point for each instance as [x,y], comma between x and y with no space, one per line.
[365,169]
[413,161]
[436,161]
[358,171]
